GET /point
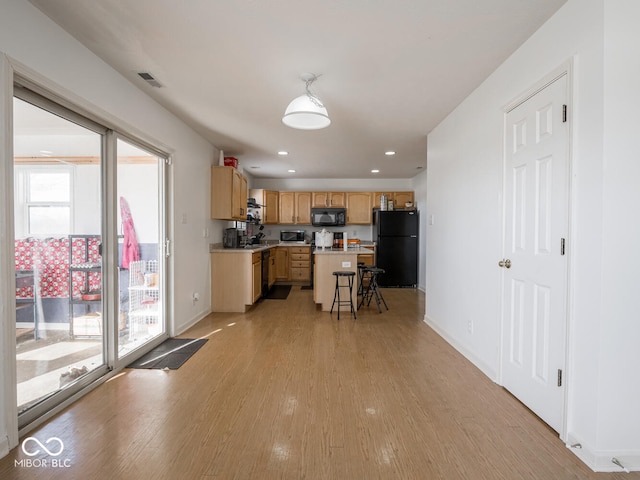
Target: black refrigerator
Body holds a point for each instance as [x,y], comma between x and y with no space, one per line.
[396,235]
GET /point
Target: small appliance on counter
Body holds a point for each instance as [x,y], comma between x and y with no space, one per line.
[338,239]
[230,238]
[296,236]
[324,239]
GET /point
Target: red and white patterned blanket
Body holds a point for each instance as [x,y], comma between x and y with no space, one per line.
[50,259]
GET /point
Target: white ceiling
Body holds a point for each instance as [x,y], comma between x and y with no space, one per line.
[391,70]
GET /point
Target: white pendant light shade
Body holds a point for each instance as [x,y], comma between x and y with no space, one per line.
[306,112]
[303,114]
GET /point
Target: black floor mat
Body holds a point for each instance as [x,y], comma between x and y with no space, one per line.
[278,292]
[170,354]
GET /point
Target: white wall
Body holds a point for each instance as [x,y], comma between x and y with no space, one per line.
[33,44]
[419,187]
[619,329]
[464,244]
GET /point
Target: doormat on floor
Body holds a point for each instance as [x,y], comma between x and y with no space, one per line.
[306,287]
[278,292]
[170,354]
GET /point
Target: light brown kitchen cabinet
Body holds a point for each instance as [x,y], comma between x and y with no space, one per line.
[300,264]
[295,208]
[257,277]
[236,280]
[399,199]
[359,208]
[377,195]
[228,194]
[268,201]
[282,263]
[293,264]
[328,199]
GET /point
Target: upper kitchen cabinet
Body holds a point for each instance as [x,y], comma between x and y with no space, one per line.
[377,195]
[295,208]
[328,199]
[399,199]
[359,208]
[269,201]
[228,194]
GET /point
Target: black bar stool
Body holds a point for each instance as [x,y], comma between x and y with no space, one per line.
[361,267]
[372,290]
[336,295]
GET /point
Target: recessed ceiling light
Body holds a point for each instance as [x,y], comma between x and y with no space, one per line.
[255,167]
[291,171]
[375,171]
[283,153]
[389,153]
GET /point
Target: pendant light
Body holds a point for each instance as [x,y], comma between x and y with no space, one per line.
[306,112]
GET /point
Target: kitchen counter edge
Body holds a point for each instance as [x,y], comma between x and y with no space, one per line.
[218,248]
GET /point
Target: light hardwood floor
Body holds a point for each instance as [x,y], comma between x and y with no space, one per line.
[286,391]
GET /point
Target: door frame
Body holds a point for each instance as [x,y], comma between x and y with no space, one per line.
[566,69]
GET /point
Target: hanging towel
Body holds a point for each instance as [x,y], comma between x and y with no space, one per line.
[130,250]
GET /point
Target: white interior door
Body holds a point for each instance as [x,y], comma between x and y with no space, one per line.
[535,263]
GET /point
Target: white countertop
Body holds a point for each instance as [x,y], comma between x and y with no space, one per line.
[342,251]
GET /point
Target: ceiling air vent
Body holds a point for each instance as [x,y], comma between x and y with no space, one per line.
[147,77]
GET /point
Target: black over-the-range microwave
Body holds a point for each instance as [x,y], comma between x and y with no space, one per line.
[328,217]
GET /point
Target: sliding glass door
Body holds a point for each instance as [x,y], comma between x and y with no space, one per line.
[60,341]
[141,256]
[89,251]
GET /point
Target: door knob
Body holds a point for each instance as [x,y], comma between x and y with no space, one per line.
[505,263]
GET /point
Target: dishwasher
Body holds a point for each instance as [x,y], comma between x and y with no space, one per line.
[265,271]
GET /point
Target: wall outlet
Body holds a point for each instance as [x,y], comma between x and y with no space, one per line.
[195,297]
[470,325]
[346,264]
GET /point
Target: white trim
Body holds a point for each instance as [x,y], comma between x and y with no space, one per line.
[565,69]
[8,379]
[601,461]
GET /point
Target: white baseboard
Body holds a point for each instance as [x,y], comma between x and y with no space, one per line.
[183,328]
[604,461]
[482,366]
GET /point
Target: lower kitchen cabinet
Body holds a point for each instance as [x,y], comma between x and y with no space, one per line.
[293,264]
[282,263]
[300,264]
[257,276]
[236,280]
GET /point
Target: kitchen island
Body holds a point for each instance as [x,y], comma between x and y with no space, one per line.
[327,261]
